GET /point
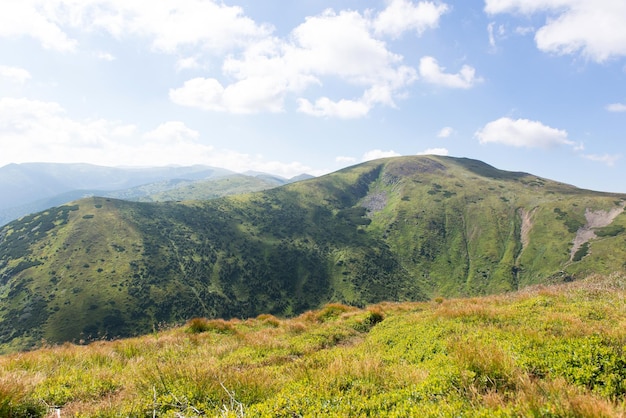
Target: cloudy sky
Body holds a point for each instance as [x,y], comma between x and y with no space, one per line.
[316,85]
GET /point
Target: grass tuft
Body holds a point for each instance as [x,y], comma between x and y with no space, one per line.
[200,325]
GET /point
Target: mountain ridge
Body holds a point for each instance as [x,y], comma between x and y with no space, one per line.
[404,228]
[31,187]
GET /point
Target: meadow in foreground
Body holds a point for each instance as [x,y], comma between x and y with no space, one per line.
[554,351]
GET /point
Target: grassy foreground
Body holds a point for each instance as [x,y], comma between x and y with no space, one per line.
[556,351]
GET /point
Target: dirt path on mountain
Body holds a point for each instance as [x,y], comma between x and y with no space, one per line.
[595,219]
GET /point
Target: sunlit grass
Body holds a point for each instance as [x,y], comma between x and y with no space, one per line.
[545,351]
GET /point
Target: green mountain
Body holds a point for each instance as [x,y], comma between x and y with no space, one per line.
[407,228]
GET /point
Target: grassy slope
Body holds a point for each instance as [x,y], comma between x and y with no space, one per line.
[545,351]
[434,226]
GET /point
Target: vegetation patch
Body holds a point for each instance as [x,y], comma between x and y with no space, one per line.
[581,252]
[609,231]
[533,353]
[220,326]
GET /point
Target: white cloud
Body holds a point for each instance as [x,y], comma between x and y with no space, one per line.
[402,15]
[594,28]
[259,70]
[249,95]
[33,130]
[431,72]
[342,109]
[606,159]
[522,133]
[377,153]
[494,32]
[445,132]
[616,107]
[492,39]
[105,56]
[14,74]
[172,131]
[337,46]
[524,30]
[434,151]
[37,20]
[189,63]
[167,24]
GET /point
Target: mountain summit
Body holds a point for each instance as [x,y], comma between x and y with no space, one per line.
[405,228]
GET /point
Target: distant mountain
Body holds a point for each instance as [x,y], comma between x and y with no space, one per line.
[31,187]
[178,190]
[406,228]
[278,180]
[301,177]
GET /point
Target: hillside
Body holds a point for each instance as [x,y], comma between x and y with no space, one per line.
[549,351]
[400,229]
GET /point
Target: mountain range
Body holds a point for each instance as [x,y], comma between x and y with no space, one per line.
[401,229]
[31,187]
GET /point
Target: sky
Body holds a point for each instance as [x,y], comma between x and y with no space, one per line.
[312,86]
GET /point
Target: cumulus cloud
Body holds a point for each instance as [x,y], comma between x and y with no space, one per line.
[343,109]
[434,151]
[445,132]
[403,15]
[522,133]
[377,153]
[37,20]
[167,24]
[593,28]
[431,72]
[14,74]
[259,69]
[331,45]
[172,131]
[249,95]
[189,63]
[32,130]
[616,107]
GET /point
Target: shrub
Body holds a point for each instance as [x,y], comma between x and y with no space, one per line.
[609,231]
[581,252]
[332,311]
[269,320]
[371,318]
[199,325]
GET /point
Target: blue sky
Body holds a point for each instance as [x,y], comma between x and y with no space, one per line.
[316,85]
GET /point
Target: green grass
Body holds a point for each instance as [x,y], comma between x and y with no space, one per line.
[545,351]
[400,229]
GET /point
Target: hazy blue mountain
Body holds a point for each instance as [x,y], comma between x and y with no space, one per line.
[31,187]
